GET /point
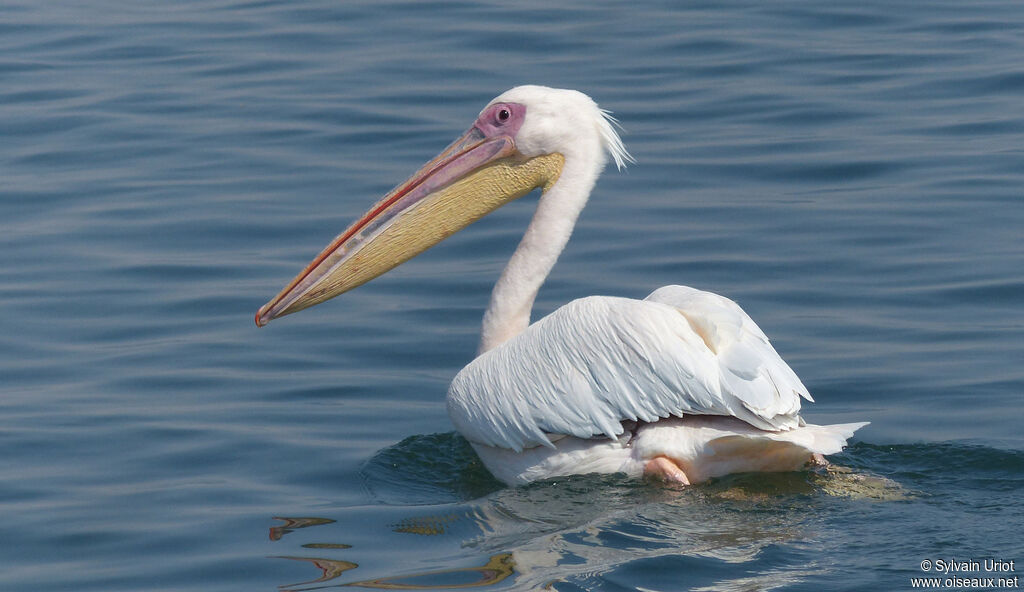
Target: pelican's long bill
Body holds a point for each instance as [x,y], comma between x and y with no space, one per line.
[475,175]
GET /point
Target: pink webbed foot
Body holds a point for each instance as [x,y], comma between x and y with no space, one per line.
[665,469]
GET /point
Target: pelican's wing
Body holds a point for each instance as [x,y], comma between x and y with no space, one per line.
[599,361]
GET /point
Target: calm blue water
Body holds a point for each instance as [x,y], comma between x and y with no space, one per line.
[852,175]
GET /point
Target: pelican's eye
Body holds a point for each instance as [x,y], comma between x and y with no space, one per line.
[502,119]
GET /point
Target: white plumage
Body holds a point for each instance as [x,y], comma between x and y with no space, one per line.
[566,395]
[598,361]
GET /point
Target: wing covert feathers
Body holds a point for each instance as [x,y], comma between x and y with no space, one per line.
[598,361]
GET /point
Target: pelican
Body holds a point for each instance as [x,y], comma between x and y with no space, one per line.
[681,386]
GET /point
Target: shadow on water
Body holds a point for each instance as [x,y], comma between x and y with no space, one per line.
[748,531]
[427,469]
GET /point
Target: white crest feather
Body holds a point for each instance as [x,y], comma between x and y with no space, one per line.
[611,140]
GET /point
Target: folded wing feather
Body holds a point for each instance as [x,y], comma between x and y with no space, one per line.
[598,361]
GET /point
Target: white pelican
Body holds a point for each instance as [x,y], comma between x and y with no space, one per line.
[682,385]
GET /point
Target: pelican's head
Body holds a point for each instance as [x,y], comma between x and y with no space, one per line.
[563,121]
[521,141]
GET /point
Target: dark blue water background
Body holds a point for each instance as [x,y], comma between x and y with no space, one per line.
[852,174]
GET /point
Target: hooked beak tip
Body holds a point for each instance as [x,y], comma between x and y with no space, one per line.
[260,320]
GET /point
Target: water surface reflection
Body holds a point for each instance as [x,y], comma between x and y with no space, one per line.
[750,531]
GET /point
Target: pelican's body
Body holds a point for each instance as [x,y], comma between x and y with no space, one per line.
[682,385]
[607,384]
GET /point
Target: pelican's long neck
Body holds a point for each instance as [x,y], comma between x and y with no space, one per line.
[512,299]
